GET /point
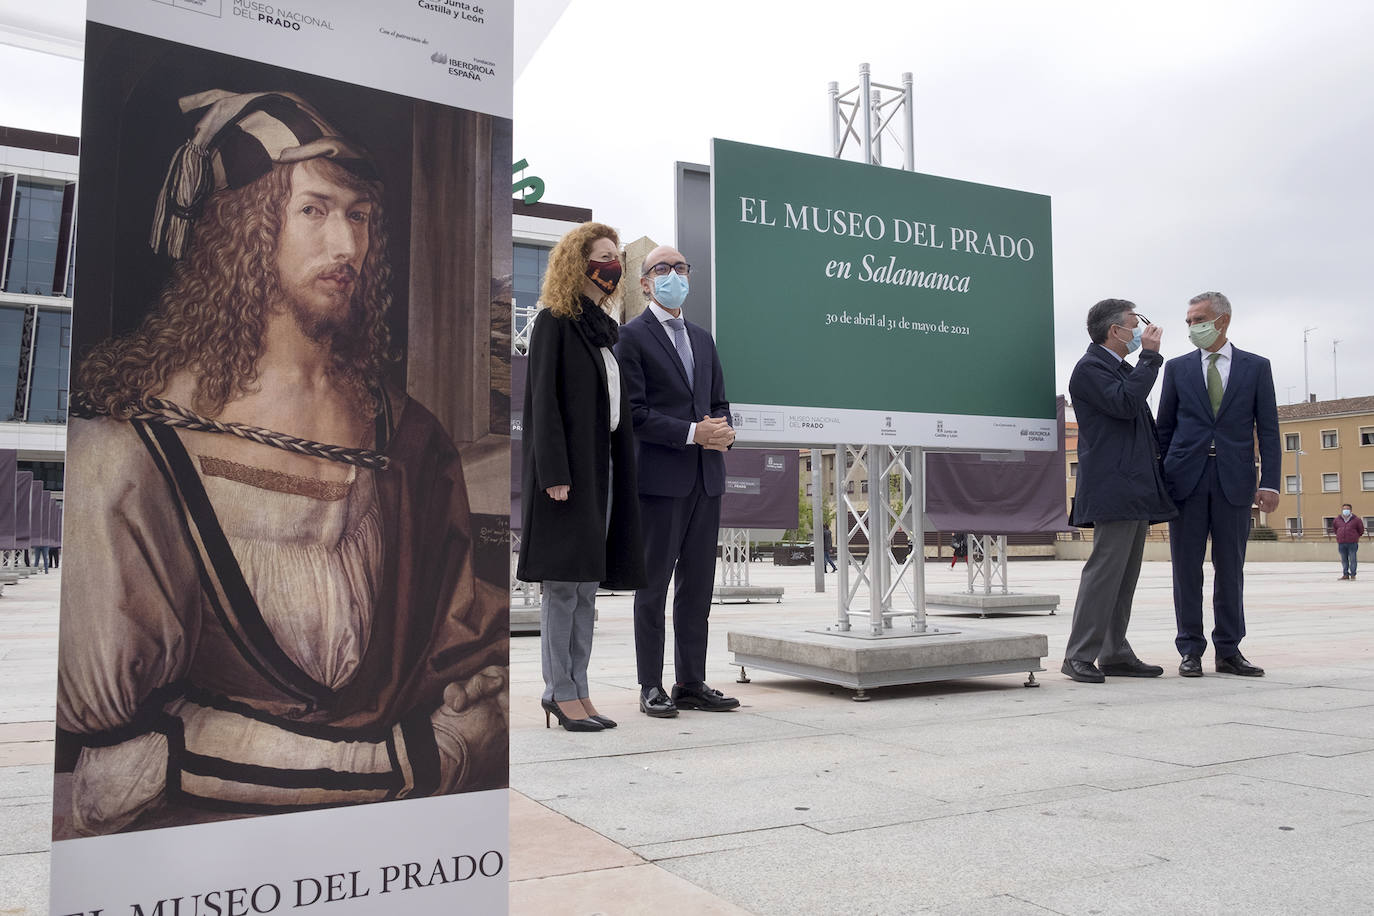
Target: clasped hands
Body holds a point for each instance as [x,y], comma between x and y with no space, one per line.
[714,433]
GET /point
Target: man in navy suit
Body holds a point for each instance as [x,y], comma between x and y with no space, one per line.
[1217,401]
[676,389]
[1120,487]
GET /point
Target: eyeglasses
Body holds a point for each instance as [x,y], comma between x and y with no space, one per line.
[663,268]
[1143,319]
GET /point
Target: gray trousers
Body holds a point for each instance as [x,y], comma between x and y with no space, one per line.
[566,614]
[1105,592]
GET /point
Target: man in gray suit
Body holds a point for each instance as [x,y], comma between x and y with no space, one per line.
[1120,487]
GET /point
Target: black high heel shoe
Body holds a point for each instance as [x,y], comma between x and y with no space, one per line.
[605,722]
[572,725]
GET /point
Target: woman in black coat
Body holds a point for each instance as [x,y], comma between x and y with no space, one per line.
[580,504]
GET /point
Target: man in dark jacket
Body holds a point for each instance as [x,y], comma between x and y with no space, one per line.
[1349,528]
[1120,487]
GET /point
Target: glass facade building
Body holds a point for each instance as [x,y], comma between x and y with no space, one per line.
[37,271]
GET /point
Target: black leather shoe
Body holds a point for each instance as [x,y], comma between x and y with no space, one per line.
[699,696]
[653,701]
[1191,666]
[1237,664]
[1133,668]
[1083,672]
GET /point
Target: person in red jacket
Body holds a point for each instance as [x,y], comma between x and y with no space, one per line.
[1349,529]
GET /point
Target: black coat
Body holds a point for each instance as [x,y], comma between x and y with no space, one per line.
[568,441]
[1119,474]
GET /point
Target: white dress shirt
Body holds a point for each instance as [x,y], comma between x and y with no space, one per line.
[1223,364]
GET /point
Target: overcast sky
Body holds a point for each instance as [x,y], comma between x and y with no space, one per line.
[1184,146]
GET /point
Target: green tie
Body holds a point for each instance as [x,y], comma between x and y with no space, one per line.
[1214,383]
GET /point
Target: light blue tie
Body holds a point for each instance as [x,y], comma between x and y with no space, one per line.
[684,352]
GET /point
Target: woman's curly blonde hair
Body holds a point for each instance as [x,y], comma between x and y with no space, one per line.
[562,291]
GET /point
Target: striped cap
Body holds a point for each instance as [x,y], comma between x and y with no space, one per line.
[237,140]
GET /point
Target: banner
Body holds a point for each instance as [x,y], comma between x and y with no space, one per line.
[9,465]
[23,510]
[897,307]
[999,493]
[760,488]
[284,637]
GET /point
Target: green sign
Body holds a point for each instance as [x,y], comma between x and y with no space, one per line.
[856,303]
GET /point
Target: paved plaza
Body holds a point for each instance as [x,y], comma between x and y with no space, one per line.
[964,797]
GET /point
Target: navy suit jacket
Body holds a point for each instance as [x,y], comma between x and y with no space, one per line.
[1118,449]
[663,406]
[1187,428]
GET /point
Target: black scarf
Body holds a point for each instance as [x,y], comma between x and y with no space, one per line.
[599,328]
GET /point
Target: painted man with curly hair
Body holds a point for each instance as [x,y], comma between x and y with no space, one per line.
[272,605]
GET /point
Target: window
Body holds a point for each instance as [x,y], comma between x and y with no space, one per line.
[52,357]
[1367,480]
[1331,483]
[1330,439]
[1290,483]
[808,489]
[849,486]
[35,234]
[528,263]
[1073,468]
[1292,442]
[1367,435]
[863,486]
[1329,524]
[1292,524]
[11,334]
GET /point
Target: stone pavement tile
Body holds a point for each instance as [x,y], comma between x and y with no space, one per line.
[24,884]
[699,804]
[893,707]
[27,731]
[617,892]
[1272,885]
[956,737]
[1000,905]
[816,755]
[1306,699]
[545,843]
[24,753]
[1233,741]
[1353,773]
[1356,723]
[909,868]
[26,784]
[978,775]
[771,836]
[549,780]
[1183,714]
[640,734]
[25,828]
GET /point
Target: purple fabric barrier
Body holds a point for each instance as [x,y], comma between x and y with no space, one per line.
[23,509]
[518,367]
[37,497]
[760,488]
[9,465]
[1022,493]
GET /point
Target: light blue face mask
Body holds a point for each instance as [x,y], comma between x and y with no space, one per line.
[1134,343]
[671,291]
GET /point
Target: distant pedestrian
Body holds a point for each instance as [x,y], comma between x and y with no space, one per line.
[959,542]
[828,545]
[1349,529]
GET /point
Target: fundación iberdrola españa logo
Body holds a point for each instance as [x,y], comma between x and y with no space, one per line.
[475,69]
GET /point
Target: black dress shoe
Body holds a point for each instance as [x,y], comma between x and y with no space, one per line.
[653,701]
[1083,672]
[1133,668]
[1236,664]
[699,696]
[1191,666]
